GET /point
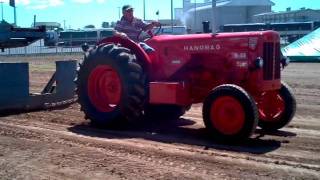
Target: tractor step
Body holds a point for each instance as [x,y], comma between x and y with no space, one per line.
[177,93]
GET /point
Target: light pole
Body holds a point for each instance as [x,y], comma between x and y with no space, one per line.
[15,15]
[172,15]
[158,13]
[195,14]
[34,20]
[119,12]
[1,10]
[144,10]
[13,4]
[214,16]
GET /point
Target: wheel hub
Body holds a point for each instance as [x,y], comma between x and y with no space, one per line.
[104,88]
[271,106]
[227,115]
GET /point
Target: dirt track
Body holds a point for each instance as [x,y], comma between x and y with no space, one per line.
[60,144]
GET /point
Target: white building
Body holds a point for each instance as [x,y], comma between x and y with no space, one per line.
[49,25]
[302,15]
[228,12]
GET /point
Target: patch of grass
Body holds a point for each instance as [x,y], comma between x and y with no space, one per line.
[42,67]
[41,63]
[40,58]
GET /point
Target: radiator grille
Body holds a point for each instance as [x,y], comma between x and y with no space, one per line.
[271,65]
[277,68]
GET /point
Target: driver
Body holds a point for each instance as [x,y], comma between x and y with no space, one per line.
[130,26]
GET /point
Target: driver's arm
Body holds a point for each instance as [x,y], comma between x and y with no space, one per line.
[120,34]
[118,31]
[151,25]
[146,26]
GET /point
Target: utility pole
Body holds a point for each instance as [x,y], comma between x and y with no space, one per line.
[64,25]
[214,16]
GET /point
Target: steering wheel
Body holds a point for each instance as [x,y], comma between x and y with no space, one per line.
[149,33]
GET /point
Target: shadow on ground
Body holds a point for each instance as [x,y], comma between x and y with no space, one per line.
[182,131]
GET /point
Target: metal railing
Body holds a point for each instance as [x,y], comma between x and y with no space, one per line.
[41,50]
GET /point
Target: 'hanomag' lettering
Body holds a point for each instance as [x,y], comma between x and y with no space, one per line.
[205,47]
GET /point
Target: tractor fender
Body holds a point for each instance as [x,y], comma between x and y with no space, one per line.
[135,48]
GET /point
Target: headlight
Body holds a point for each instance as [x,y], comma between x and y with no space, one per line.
[285,61]
[259,63]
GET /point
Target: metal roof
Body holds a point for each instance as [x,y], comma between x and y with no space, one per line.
[304,49]
[55,24]
[250,3]
[288,12]
[223,3]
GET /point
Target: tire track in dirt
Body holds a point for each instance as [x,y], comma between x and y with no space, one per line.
[308,136]
[225,157]
[180,152]
[298,148]
[115,154]
[118,153]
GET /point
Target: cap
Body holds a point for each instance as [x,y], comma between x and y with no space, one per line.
[126,8]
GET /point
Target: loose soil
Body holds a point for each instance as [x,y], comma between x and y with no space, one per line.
[61,144]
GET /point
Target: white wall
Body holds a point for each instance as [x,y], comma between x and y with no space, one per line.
[225,15]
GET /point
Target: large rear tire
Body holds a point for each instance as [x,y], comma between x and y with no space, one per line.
[110,85]
[229,113]
[277,108]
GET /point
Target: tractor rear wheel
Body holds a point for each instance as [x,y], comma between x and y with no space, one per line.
[229,113]
[110,85]
[277,109]
[165,111]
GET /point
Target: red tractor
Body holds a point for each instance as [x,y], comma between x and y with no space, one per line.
[235,75]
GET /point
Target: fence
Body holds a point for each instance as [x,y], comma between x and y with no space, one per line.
[40,50]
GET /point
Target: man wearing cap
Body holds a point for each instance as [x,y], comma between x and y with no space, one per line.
[130,26]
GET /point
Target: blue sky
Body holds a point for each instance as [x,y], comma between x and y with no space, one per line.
[78,13]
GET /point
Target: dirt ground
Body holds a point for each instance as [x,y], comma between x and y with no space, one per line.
[60,144]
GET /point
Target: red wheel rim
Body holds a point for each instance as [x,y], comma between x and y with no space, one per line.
[227,115]
[271,106]
[104,88]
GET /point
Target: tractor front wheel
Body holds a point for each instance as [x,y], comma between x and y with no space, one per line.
[276,108]
[229,113]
